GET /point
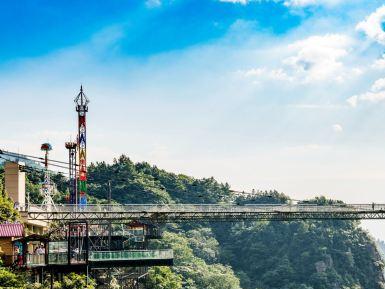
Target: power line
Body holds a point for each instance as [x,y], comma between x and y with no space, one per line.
[41,160]
[30,156]
[33,168]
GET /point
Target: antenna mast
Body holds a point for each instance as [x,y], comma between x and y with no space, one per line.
[82,101]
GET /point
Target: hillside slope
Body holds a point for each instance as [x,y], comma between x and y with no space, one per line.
[264,255]
[248,255]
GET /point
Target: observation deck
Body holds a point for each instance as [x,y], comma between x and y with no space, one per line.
[105,258]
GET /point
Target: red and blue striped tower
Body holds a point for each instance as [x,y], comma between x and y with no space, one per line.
[82,108]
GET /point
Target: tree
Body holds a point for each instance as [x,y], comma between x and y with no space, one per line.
[7,212]
[194,271]
[204,244]
[163,278]
[10,279]
[76,281]
[70,281]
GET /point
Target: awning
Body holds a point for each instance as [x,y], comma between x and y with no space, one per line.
[11,230]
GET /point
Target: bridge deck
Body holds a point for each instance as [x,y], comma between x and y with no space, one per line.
[204,212]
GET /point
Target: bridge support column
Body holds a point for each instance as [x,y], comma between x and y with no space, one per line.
[51,278]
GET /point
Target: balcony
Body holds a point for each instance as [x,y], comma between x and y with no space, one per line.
[131,255]
[35,260]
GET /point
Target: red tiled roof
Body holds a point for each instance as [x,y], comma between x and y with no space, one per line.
[11,230]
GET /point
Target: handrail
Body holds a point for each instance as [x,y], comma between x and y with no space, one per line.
[131,255]
[191,208]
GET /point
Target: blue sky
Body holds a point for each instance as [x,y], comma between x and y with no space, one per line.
[284,94]
[34,28]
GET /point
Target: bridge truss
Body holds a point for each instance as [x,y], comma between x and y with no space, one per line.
[169,213]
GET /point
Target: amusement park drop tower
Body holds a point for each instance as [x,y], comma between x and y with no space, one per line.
[82,107]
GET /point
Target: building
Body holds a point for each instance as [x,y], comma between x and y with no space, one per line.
[8,234]
[15,188]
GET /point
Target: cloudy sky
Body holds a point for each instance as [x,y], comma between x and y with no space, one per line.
[264,94]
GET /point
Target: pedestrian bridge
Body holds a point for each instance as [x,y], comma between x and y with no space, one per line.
[163,213]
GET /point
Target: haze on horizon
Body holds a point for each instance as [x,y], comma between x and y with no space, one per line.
[264,94]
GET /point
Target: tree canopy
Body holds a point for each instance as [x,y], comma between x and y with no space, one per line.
[263,255]
[248,255]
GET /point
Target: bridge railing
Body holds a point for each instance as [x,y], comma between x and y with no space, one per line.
[99,256]
[131,255]
[35,259]
[58,258]
[204,208]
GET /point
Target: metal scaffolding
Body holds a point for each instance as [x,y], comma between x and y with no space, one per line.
[72,178]
[47,188]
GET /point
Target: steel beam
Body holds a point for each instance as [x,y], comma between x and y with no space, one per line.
[187,213]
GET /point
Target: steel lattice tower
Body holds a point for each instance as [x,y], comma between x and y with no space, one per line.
[47,187]
[72,181]
[82,101]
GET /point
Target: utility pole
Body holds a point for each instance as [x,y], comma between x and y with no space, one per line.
[109,192]
[109,208]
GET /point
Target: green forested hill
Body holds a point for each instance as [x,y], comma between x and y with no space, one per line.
[250,255]
[142,183]
[302,255]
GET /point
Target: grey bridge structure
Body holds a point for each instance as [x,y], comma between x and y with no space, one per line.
[169,213]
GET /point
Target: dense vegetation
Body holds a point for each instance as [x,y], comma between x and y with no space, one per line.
[142,183]
[249,255]
[70,281]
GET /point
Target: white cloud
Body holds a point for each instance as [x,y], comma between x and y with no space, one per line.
[372,25]
[375,94]
[253,72]
[319,57]
[314,59]
[280,74]
[153,3]
[352,101]
[243,2]
[378,85]
[292,3]
[306,3]
[379,63]
[372,96]
[337,128]
[265,73]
